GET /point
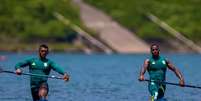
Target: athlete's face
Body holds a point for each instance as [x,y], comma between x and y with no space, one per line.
[155,51]
[43,52]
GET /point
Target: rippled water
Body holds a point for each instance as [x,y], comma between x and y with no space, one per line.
[101,78]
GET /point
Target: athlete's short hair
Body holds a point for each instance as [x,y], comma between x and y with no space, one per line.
[43,46]
[154,45]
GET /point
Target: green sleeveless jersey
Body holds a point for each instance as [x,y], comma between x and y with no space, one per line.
[41,67]
[157,68]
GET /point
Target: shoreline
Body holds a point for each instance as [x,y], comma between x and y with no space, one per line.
[68,48]
[33,47]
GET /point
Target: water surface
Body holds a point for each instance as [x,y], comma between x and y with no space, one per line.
[101,77]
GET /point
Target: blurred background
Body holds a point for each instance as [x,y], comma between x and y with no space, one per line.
[116,33]
[100,25]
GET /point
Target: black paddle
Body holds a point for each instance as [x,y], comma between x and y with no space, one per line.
[170,83]
[30,74]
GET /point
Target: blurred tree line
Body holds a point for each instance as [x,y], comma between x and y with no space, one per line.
[183,15]
[33,20]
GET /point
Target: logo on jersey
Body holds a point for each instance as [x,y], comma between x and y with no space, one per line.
[164,62]
[152,83]
[153,63]
[33,64]
[45,64]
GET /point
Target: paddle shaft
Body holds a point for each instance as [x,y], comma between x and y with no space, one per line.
[30,74]
[176,84]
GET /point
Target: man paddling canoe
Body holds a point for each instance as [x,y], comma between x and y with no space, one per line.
[156,67]
[40,66]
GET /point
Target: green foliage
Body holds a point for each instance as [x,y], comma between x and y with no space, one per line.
[183,15]
[34,19]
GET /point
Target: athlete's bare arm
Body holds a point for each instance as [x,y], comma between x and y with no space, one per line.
[144,69]
[176,71]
